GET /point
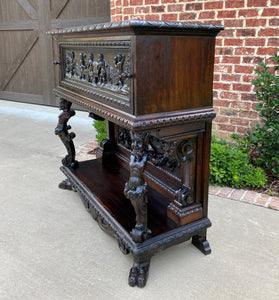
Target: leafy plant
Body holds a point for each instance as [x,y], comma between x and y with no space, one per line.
[230,166]
[100,127]
[263,140]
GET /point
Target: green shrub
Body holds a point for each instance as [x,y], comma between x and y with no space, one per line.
[100,127]
[263,141]
[230,166]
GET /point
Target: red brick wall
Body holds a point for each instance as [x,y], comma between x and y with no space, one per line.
[251,34]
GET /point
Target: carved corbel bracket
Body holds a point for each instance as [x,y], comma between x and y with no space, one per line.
[183,197]
[62,130]
[183,210]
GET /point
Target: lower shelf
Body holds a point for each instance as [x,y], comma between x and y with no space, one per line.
[107,187]
[102,193]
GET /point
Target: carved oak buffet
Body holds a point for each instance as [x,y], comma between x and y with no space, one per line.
[152,82]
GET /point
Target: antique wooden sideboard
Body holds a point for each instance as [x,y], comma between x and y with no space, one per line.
[152,82]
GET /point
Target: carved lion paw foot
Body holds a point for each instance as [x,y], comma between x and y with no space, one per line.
[65,185]
[138,275]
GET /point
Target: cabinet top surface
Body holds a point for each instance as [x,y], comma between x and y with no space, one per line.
[139,26]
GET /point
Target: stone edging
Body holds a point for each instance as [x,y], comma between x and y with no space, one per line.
[246,196]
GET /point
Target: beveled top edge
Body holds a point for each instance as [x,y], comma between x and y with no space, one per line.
[140,24]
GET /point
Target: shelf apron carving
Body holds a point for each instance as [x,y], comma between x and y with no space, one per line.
[62,130]
[136,188]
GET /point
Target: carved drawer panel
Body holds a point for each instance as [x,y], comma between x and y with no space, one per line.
[99,68]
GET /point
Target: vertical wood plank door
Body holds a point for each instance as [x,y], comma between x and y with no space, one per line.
[27,73]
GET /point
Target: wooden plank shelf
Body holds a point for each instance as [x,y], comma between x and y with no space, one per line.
[107,187]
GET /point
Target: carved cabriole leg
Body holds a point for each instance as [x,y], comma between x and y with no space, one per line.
[136,188]
[67,138]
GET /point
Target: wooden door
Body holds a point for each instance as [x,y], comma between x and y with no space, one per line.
[26,51]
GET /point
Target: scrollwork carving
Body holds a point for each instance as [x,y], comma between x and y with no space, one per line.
[124,137]
[184,150]
[62,131]
[162,154]
[168,155]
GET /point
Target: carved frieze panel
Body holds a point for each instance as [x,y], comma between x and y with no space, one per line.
[168,155]
[99,68]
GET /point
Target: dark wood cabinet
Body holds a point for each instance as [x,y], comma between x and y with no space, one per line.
[152,82]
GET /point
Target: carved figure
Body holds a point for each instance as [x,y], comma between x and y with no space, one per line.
[93,69]
[102,73]
[119,63]
[111,75]
[68,64]
[71,63]
[82,65]
[136,188]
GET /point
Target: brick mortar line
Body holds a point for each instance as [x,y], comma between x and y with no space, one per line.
[268,201]
[243,196]
[230,194]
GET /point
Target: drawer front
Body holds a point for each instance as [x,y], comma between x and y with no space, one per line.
[100,69]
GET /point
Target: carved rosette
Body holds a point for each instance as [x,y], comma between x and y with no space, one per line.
[62,130]
[136,188]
